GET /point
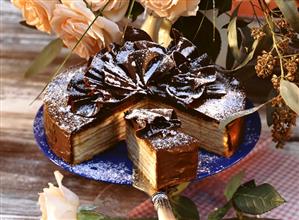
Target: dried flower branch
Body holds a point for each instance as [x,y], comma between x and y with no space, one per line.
[281,56]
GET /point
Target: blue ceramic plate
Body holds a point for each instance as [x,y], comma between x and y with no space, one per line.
[114,166]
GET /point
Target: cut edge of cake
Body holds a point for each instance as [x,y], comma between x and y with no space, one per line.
[164,159]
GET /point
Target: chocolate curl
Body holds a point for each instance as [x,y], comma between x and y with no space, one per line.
[152,122]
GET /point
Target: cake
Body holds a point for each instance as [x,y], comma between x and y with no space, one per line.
[163,153]
[84,106]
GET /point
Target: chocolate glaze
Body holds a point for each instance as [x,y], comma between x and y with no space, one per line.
[141,66]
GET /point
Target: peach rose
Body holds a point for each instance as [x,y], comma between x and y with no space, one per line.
[115,10]
[57,203]
[72,18]
[37,13]
[171,9]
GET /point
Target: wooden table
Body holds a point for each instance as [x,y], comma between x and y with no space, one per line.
[24,170]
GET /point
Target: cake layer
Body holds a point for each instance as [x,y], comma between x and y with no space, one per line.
[100,136]
[159,149]
[144,159]
[205,129]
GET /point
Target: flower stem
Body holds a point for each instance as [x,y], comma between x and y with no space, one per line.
[151,26]
[164,38]
[128,16]
[275,43]
[70,53]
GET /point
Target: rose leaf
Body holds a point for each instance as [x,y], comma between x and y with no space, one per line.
[257,200]
[290,94]
[184,208]
[233,185]
[46,56]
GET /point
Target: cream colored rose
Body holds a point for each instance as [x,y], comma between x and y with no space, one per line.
[115,10]
[37,13]
[72,18]
[57,203]
[171,9]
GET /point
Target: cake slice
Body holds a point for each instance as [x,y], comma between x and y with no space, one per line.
[159,149]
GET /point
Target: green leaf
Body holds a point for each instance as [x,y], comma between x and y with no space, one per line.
[290,12]
[219,213]
[232,38]
[257,200]
[257,46]
[290,94]
[223,123]
[249,56]
[184,208]
[233,184]
[46,56]
[250,184]
[73,49]
[90,215]
[232,35]
[177,190]
[87,208]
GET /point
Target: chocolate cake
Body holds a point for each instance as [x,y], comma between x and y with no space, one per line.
[84,106]
[159,149]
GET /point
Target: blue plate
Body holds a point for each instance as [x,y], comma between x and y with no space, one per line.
[114,166]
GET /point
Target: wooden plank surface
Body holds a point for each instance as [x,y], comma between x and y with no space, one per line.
[24,170]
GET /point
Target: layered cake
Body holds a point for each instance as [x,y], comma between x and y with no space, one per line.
[84,106]
[164,154]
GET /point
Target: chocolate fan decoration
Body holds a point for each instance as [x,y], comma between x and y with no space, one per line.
[152,122]
[141,66]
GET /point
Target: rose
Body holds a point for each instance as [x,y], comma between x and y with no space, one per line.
[171,9]
[58,203]
[113,9]
[37,13]
[72,18]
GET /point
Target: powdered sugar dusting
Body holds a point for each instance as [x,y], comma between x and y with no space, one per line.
[148,115]
[56,99]
[188,50]
[172,139]
[223,107]
[219,108]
